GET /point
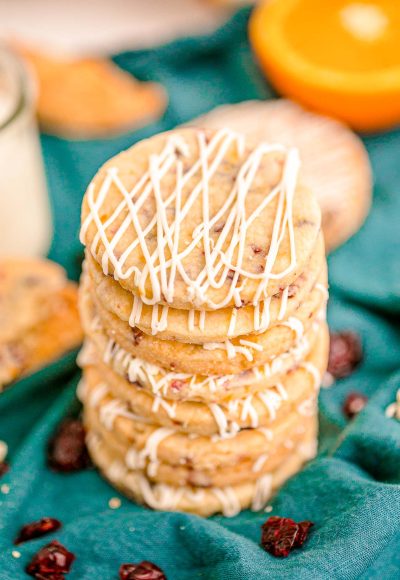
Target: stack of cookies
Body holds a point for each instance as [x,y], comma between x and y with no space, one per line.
[203,301]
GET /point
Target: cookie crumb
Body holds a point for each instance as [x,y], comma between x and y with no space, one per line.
[16,554]
[114,503]
[327,380]
[3,450]
[5,488]
[268,509]
[393,410]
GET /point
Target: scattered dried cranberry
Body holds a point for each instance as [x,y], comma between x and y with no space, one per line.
[143,571]
[353,404]
[345,354]
[51,562]
[37,529]
[281,535]
[4,467]
[302,534]
[67,449]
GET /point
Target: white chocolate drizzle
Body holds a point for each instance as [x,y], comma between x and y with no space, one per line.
[97,394]
[307,408]
[314,372]
[271,399]
[161,380]
[228,500]
[268,434]
[166,261]
[231,349]
[296,325]
[259,462]
[81,390]
[169,408]
[323,289]
[136,459]
[284,300]
[262,492]
[197,318]
[226,429]
[160,496]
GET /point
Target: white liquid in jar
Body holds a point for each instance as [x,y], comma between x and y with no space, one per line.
[25,220]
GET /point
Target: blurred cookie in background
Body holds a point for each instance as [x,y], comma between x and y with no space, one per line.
[85,98]
[232,3]
[335,164]
[39,320]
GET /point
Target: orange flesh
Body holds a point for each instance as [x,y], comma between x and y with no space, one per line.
[316,30]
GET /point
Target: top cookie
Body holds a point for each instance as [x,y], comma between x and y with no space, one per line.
[200,219]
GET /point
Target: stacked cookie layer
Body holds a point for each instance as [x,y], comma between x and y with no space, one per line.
[203,302]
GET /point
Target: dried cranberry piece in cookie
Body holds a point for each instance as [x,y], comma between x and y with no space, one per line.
[345,353]
[143,571]
[37,529]
[67,449]
[4,467]
[177,385]
[51,562]
[281,535]
[353,404]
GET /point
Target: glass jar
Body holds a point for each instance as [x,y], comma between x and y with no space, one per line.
[25,218]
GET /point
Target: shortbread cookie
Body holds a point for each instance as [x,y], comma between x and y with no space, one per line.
[204,502]
[184,472]
[185,386]
[148,443]
[196,219]
[50,338]
[255,409]
[335,164]
[200,326]
[229,357]
[89,98]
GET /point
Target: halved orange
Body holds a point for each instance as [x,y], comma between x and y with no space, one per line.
[340,57]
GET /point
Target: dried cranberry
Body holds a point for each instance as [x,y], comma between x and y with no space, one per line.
[345,354]
[353,404]
[177,384]
[302,534]
[51,562]
[219,227]
[67,449]
[4,467]
[137,336]
[281,535]
[37,529]
[256,249]
[143,571]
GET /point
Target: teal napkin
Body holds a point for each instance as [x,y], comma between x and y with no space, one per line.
[351,491]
